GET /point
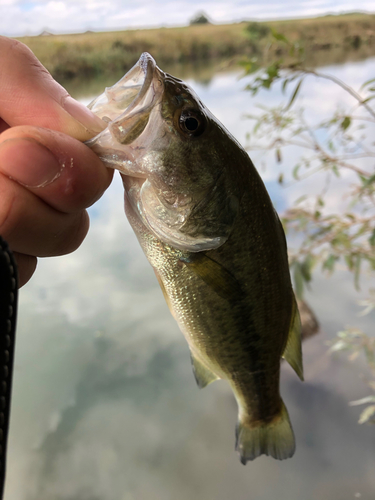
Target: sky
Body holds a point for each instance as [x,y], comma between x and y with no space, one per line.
[31,17]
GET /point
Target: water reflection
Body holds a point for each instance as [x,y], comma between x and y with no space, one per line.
[203,72]
[200,72]
[105,404]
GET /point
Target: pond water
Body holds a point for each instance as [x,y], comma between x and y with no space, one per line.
[105,404]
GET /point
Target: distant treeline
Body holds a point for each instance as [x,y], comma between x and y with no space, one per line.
[90,54]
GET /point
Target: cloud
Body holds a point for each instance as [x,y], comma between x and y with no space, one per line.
[19,17]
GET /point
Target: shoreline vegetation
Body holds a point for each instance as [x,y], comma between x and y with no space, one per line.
[335,38]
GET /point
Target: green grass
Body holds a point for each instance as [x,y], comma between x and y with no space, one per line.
[92,54]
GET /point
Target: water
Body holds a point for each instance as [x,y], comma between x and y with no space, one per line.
[105,405]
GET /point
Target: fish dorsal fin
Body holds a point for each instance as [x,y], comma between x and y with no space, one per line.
[293,349]
[215,275]
[202,374]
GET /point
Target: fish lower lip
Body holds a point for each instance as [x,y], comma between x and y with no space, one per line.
[147,64]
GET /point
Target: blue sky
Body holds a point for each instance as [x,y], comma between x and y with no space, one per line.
[19,17]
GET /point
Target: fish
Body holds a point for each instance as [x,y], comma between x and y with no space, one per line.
[207,226]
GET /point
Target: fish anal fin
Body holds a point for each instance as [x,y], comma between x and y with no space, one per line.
[215,275]
[202,374]
[293,349]
[274,438]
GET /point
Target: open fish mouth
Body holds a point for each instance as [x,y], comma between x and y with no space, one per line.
[127,93]
[126,107]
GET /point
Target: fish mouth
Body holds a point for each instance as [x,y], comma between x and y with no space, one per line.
[127,93]
[126,107]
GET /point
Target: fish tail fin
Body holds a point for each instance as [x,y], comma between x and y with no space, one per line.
[275,438]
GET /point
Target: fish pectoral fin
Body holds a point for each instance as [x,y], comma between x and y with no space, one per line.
[203,375]
[215,275]
[166,296]
[293,348]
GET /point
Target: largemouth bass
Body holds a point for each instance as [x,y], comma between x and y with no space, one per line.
[208,228]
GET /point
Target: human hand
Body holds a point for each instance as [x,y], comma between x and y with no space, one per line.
[47,176]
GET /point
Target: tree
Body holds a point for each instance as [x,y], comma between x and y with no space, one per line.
[339,146]
[200,18]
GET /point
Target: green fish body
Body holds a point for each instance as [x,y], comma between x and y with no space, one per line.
[208,228]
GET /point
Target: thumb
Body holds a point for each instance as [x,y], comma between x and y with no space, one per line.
[30,96]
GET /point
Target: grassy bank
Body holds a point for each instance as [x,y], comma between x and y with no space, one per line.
[91,54]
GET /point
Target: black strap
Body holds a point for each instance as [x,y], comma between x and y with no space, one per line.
[8,317]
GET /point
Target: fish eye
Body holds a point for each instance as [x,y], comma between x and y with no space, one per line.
[192,122]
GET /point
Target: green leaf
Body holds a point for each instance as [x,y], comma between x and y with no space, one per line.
[335,170]
[367,83]
[307,266]
[329,263]
[266,84]
[367,414]
[346,122]
[370,355]
[366,181]
[278,36]
[341,240]
[278,156]
[362,229]
[285,83]
[340,345]
[295,171]
[363,401]
[368,99]
[357,269]
[349,261]
[300,199]
[294,95]
[372,238]
[273,70]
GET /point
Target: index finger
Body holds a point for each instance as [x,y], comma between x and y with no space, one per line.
[30,96]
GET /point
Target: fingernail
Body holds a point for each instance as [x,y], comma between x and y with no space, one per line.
[28,162]
[83,115]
